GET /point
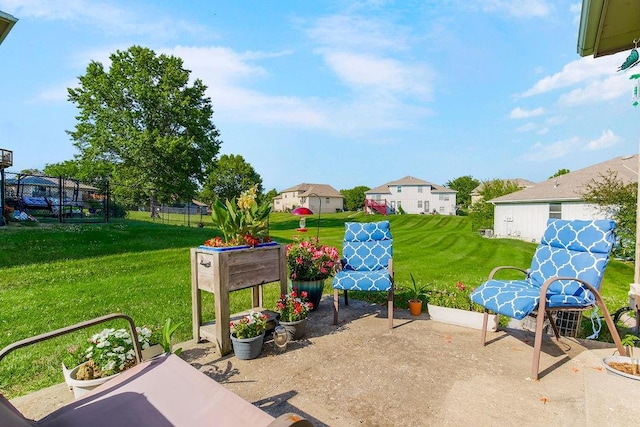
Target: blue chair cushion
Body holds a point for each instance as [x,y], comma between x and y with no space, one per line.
[513,298]
[367,256]
[366,231]
[351,280]
[518,298]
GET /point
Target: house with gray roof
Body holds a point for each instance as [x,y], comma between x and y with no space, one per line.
[317,197]
[413,195]
[524,214]
[522,183]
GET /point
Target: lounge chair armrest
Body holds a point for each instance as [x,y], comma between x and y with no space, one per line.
[507,267]
[290,420]
[68,329]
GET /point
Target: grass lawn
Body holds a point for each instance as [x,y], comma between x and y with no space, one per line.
[55,275]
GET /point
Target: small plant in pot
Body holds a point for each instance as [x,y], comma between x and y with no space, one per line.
[416,295]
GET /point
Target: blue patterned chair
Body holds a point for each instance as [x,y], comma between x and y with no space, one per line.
[565,274]
[366,263]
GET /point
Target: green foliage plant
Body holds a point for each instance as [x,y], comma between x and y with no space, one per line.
[629,342]
[618,200]
[453,297]
[464,185]
[481,212]
[249,326]
[166,333]
[243,222]
[416,293]
[293,306]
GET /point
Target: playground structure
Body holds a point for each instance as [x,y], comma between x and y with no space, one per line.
[6,161]
[46,198]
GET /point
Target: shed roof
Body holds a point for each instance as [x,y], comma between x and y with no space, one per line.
[570,186]
[6,23]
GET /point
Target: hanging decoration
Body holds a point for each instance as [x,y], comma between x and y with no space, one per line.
[633,59]
[635,93]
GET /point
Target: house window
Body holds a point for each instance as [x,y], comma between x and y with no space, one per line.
[327,200]
[444,197]
[419,204]
[399,189]
[419,190]
[441,209]
[555,210]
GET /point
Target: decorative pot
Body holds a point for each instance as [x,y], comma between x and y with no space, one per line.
[295,329]
[247,348]
[466,318]
[313,288]
[624,363]
[82,387]
[415,307]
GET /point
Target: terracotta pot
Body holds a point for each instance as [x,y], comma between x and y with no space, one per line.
[415,307]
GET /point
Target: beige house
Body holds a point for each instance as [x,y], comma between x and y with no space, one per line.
[522,183]
[413,195]
[524,214]
[320,198]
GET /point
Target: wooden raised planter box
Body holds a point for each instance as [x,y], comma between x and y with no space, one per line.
[225,271]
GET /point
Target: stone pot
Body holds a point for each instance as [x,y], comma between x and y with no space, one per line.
[313,288]
[82,387]
[247,348]
[296,330]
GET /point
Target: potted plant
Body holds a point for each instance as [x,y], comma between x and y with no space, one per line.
[453,305]
[242,223]
[416,293]
[627,366]
[309,264]
[108,353]
[247,335]
[294,309]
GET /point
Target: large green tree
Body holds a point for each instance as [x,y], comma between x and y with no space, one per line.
[464,185]
[149,131]
[481,212]
[231,176]
[617,200]
[354,198]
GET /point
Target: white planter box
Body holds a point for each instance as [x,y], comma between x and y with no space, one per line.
[456,316]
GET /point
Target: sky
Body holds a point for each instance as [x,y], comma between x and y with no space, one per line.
[345,93]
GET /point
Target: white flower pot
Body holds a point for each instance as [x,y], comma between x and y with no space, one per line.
[82,387]
[466,318]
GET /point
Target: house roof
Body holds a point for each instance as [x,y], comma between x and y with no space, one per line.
[409,181]
[570,186]
[321,190]
[6,23]
[523,183]
[608,27]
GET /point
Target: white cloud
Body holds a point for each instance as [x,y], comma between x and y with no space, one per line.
[381,75]
[606,140]
[597,91]
[521,113]
[527,128]
[358,34]
[517,8]
[575,72]
[540,152]
[103,15]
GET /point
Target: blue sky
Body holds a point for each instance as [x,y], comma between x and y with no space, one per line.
[345,93]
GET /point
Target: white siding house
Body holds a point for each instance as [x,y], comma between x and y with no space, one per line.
[414,195]
[524,214]
[317,197]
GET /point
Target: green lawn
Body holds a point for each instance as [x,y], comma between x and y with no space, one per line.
[52,276]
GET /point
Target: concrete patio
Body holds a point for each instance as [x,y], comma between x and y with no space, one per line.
[421,373]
